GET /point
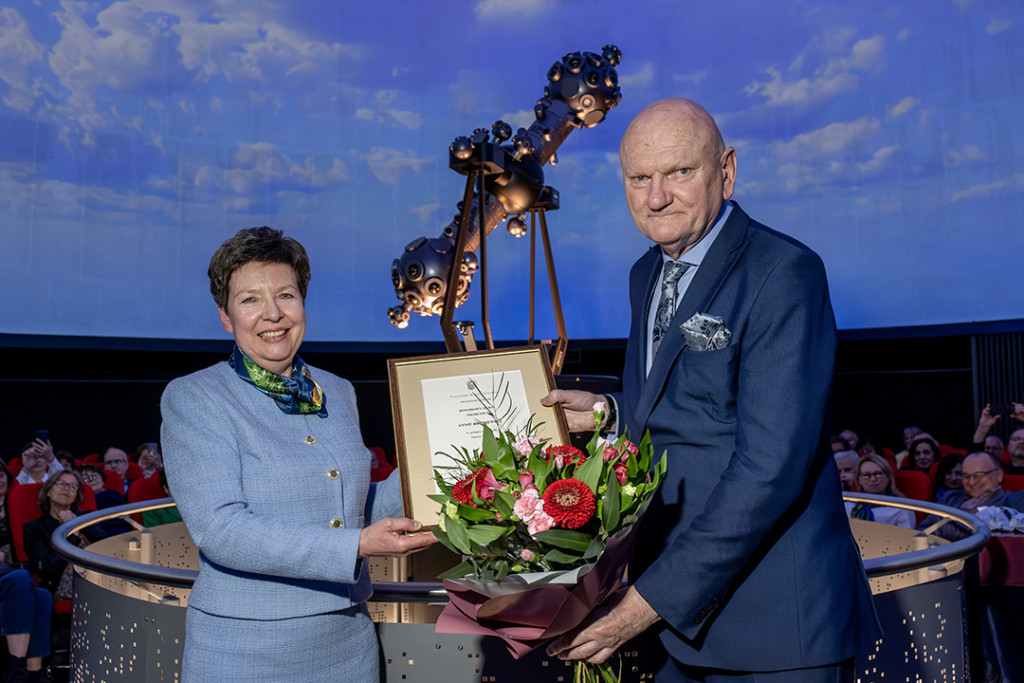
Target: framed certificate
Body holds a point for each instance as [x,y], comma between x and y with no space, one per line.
[440,404]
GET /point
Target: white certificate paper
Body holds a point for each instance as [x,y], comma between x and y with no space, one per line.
[458,407]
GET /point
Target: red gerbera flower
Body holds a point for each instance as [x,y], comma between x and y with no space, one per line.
[564,455]
[570,503]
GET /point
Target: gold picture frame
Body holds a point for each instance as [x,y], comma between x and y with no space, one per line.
[435,405]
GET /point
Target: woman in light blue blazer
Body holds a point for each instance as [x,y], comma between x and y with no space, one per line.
[266,463]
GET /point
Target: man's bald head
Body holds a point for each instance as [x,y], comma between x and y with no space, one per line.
[677,173]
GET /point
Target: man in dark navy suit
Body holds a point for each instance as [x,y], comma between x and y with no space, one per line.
[745,568]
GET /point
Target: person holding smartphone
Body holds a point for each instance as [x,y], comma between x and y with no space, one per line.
[37,461]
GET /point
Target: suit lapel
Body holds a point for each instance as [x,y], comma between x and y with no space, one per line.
[712,273]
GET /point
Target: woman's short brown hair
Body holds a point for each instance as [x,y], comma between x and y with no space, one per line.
[259,245]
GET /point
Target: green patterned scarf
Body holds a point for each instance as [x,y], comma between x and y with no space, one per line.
[296,395]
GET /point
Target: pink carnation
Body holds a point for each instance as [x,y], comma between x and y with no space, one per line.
[526,554]
[524,447]
[530,509]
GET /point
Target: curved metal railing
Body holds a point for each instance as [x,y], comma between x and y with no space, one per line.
[919,559]
[433,591]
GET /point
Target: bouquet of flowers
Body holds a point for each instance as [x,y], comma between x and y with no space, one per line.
[546,532]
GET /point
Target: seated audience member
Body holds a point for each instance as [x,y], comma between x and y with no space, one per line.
[994,446]
[1015,447]
[924,453]
[875,476]
[25,622]
[851,438]
[163,515]
[148,457]
[949,475]
[983,486]
[94,478]
[66,459]
[909,434]
[6,481]
[116,460]
[985,423]
[59,499]
[839,444]
[38,463]
[867,447]
[846,461]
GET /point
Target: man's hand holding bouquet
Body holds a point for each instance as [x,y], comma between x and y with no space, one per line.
[546,532]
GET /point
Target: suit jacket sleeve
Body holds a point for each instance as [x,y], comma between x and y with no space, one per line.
[782,383]
[204,469]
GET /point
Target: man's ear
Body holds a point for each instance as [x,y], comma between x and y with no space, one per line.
[225,320]
[728,173]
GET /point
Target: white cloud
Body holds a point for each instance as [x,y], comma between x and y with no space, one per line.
[839,73]
[365,114]
[429,221]
[409,119]
[391,166]
[965,155]
[903,35]
[692,78]
[522,118]
[1011,185]
[260,165]
[902,107]
[996,26]
[510,9]
[638,79]
[17,51]
[830,155]
[832,140]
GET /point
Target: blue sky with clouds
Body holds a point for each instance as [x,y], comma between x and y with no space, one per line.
[136,136]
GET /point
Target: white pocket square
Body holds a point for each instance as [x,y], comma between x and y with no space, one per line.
[705,332]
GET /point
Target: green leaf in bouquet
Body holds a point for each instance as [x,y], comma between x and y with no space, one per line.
[456,529]
[439,498]
[556,556]
[472,514]
[442,536]
[541,468]
[458,571]
[659,469]
[500,569]
[484,534]
[442,485]
[490,445]
[590,472]
[610,508]
[645,453]
[565,539]
[504,502]
[595,548]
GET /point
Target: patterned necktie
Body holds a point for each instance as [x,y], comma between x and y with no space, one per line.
[670,275]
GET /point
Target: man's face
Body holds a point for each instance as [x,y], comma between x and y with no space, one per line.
[846,472]
[676,179]
[993,446]
[850,436]
[981,474]
[1016,445]
[116,460]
